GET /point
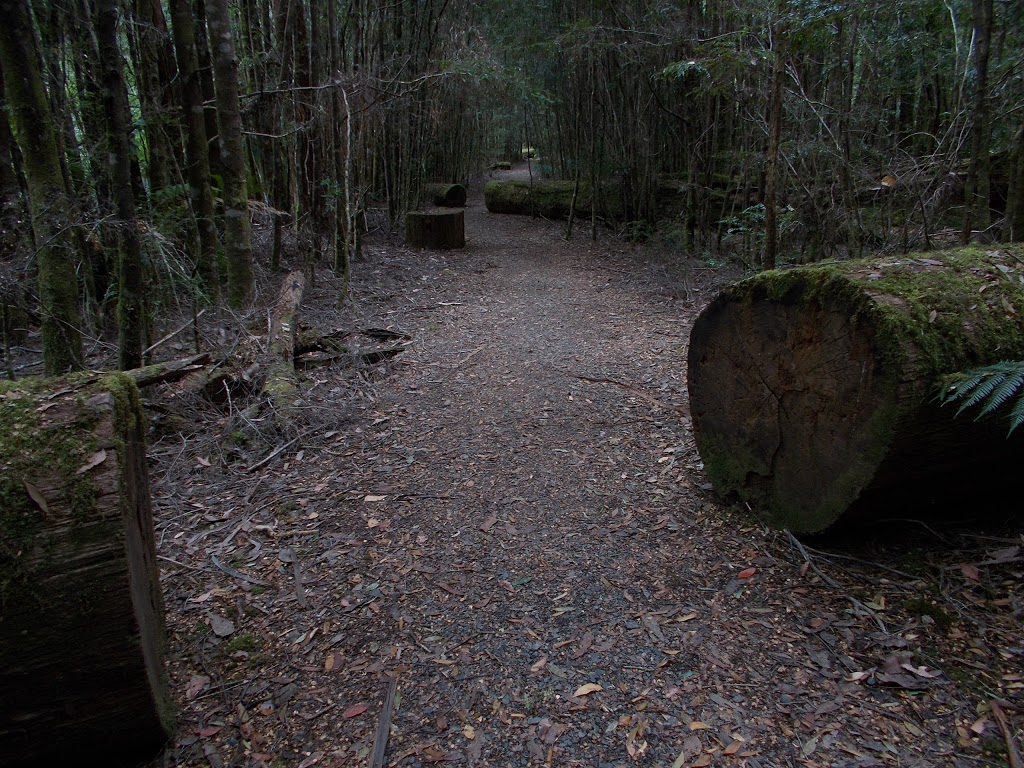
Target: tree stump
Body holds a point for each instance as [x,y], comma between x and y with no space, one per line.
[446,195]
[812,390]
[81,612]
[441,228]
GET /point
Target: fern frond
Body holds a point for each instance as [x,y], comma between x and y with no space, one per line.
[1016,415]
[991,386]
[981,390]
[1007,388]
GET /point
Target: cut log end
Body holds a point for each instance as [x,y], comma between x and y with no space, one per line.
[443,228]
[789,405]
[446,195]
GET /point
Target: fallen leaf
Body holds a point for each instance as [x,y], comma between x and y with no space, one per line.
[212,730]
[732,749]
[587,689]
[539,665]
[196,685]
[37,496]
[355,710]
[312,760]
[203,462]
[487,524]
[221,627]
[372,498]
[469,732]
[94,461]
[970,571]
[746,573]
[697,725]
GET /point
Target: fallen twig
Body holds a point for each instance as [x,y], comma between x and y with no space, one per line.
[1012,754]
[380,739]
[238,575]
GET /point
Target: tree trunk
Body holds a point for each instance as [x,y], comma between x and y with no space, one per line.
[81,615]
[282,382]
[237,227]
[439,228]
[977,210]
[156,94]
[130,304]
[196,148]
[1015,203]
[813,390]
[771,227]
[49,202]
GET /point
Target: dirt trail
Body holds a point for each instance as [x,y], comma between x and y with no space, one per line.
[510,522]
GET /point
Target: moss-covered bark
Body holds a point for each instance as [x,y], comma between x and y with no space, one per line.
[49,202]
[78,576]
[812,387]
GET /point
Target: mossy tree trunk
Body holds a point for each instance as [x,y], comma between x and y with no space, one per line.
[812,390]
[442,228]
[237,226]
[81,616]
[49,203]
[130,304]
[197,159]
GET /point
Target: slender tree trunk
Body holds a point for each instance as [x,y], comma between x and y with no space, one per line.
[977,213]
[130,305]
[206,85]
[771,228]
[196,157]
[49,203]
[1015,204]
[156,95]
[237,228]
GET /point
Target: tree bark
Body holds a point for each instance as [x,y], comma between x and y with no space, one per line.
[439,228]
[237,226]
[977,210]
[550,199]
[812,391]
[771,227]
[1015,202]
[130,304]
[282,382]
[49,202]
[156,93]
[196,147]
[81,619]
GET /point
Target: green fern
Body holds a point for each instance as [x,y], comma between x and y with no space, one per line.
[991,387]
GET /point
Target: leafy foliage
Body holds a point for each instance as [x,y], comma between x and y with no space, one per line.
[991,387]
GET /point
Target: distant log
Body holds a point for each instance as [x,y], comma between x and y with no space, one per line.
[446,195]
[81,612]
[502,165]
[440,228]
[550,199]
[813,390]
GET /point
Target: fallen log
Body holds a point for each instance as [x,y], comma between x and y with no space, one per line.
[446,195]
[81,612]
[443,228]
[812,390]
[550,199]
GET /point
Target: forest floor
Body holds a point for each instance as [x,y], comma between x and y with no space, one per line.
[498,549]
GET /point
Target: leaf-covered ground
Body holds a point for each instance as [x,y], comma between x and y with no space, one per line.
[506,528]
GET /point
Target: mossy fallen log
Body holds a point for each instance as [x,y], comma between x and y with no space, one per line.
[81,612]
[812,390]
[446,195]
[550,199]
[442,228]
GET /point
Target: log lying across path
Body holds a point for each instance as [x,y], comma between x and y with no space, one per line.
[81,612]
[550,199]
[813,390]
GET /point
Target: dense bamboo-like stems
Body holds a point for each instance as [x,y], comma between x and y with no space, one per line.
[130,303]
[237,228]
[196,148]
[49,202]
[156,71]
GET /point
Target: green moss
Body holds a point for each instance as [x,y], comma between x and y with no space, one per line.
[919,606]
[550,199]
[38,451]
[244,642]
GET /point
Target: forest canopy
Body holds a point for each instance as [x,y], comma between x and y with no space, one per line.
[140,140]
